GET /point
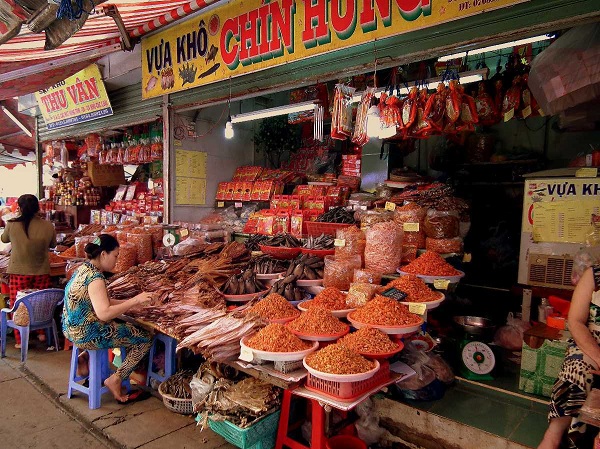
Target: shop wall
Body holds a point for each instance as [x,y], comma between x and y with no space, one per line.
[223,155]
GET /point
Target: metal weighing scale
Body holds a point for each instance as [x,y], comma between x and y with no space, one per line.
[477,359]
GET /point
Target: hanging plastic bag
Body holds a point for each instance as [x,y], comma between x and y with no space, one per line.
[510,336]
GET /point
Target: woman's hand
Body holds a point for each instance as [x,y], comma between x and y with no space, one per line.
[142,299]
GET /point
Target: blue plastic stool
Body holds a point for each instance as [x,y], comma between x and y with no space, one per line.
[99,372]
[170,358]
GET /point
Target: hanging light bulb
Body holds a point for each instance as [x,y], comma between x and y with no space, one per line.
[229,129]
[373,121]
[229,125]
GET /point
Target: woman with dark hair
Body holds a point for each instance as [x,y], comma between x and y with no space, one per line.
[89,314]
[30,238]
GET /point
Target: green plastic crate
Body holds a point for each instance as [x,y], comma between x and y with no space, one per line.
[260,435]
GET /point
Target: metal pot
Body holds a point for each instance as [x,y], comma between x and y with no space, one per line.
[475,325]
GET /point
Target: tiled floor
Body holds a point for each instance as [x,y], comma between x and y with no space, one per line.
[495,407]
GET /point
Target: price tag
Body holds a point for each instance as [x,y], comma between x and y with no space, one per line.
[541,112]
[411,227]
[220,204]
[508,115]
[238,205]
[339,243]
[467,257]
[441,284]
[526,112]
[246,354]
[390,206]
[394,293]
[417,307]
[588,172]
[184,232]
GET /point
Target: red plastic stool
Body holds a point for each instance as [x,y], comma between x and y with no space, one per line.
[318,437]
[68,344]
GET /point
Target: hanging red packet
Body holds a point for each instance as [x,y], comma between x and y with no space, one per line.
[468,112]
[435,109]
[512,100]
[453,103]
[486,109]
[498,97]
[409,111]
[422,126]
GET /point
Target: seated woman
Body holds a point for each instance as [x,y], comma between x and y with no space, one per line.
[582,361]
[88,313]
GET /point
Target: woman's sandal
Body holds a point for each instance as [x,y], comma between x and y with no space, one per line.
[136,396]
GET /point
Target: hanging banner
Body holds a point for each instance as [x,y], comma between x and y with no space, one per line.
[79,98]
[249,35]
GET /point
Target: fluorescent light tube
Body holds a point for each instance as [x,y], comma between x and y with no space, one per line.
[472,76]
[478,51]
[16,121]
[273,112]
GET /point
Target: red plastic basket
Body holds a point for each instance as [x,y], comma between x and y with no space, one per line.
[348,390]
[316,228]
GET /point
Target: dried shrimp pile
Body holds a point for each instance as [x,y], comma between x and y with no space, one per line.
[369,341]
[430,264]
[329,298]
[277,338]
[416,290]
[338,359]
[382,311]
[317,321]
[274,307]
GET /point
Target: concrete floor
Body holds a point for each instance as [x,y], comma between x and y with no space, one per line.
[37,414]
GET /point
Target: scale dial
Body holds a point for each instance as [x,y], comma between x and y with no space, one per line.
[478,357]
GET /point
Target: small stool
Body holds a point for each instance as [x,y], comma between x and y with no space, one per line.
[318,437]
[68,344]
[170,358]
[99,372]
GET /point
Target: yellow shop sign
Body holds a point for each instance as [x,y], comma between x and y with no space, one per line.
[79,98]
[250,35]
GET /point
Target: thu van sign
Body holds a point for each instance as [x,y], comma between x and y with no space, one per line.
[79,98]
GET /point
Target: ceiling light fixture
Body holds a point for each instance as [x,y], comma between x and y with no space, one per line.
[273,112]
[16,121]
[478,51]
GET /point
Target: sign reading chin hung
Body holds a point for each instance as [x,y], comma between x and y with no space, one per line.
[249,35]
[79,98]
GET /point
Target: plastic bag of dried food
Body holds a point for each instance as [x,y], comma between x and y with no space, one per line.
[360,293]
[366,276]
[511,336]
[383,250]
[444,246]
[338,272]
[80,243]
[370,217]
[412,218]
[188,246]
[350,242]
[441,368]
[441,224]
[127,257]
[143,244]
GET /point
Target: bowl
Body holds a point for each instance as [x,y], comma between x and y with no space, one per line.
[392,330]
[318,252]
[278,356]
[280,252]
[475,325]
[431,279]
[341,313]
[383,355]
[309,282]
[342,377]
[429,304]
[244,298]
[322,337]
[268,276]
